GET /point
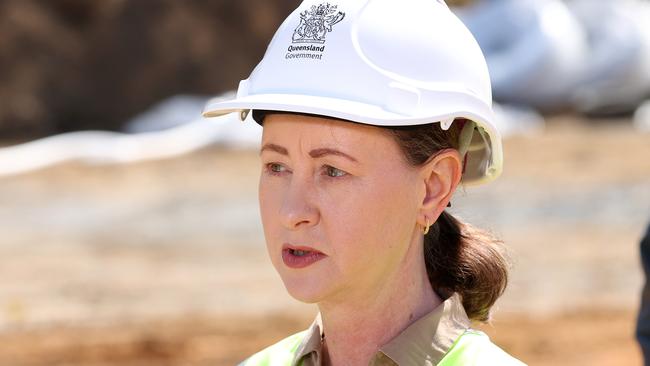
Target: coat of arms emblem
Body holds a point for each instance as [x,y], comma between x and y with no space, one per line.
[316,22]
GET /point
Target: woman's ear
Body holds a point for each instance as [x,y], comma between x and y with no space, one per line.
[441,175]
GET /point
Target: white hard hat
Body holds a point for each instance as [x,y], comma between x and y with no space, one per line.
[378,62]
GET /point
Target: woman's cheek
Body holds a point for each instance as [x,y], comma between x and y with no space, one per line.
[269,200]
[347,209]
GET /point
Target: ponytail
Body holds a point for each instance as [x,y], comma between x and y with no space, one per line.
[468,261]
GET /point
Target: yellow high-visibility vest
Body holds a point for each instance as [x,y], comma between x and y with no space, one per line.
[472,348]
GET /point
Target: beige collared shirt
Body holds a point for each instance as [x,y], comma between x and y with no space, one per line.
[424,342]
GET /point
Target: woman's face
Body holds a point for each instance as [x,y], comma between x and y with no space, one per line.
[339,206]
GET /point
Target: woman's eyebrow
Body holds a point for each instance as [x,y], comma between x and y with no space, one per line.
[316,153]
[273,147]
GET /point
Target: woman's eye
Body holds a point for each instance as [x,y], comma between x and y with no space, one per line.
[333,172]
[275,168]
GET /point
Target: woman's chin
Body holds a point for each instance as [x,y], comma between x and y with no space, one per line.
[304,291]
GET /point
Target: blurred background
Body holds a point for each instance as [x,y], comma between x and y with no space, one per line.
[129,226]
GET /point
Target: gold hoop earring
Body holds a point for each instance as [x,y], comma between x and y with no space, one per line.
[426,228]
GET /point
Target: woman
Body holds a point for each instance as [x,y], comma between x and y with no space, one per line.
[373,112]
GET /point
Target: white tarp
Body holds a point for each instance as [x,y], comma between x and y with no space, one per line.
[188,132]
[592,56]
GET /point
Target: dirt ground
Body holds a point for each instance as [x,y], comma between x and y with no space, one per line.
[163,263]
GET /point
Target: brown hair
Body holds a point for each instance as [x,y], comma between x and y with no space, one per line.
[459,257]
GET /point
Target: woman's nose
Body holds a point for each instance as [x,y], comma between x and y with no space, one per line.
[298,210]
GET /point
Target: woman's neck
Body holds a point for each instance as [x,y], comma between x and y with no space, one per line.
[356,328]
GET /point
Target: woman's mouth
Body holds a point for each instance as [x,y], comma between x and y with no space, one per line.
[300,257]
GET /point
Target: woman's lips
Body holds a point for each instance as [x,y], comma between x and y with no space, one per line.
[300,257]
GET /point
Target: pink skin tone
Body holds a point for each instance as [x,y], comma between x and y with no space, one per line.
[343,194]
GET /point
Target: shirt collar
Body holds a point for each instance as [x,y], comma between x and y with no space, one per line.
[311,344]
[427,339]
[431,336]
